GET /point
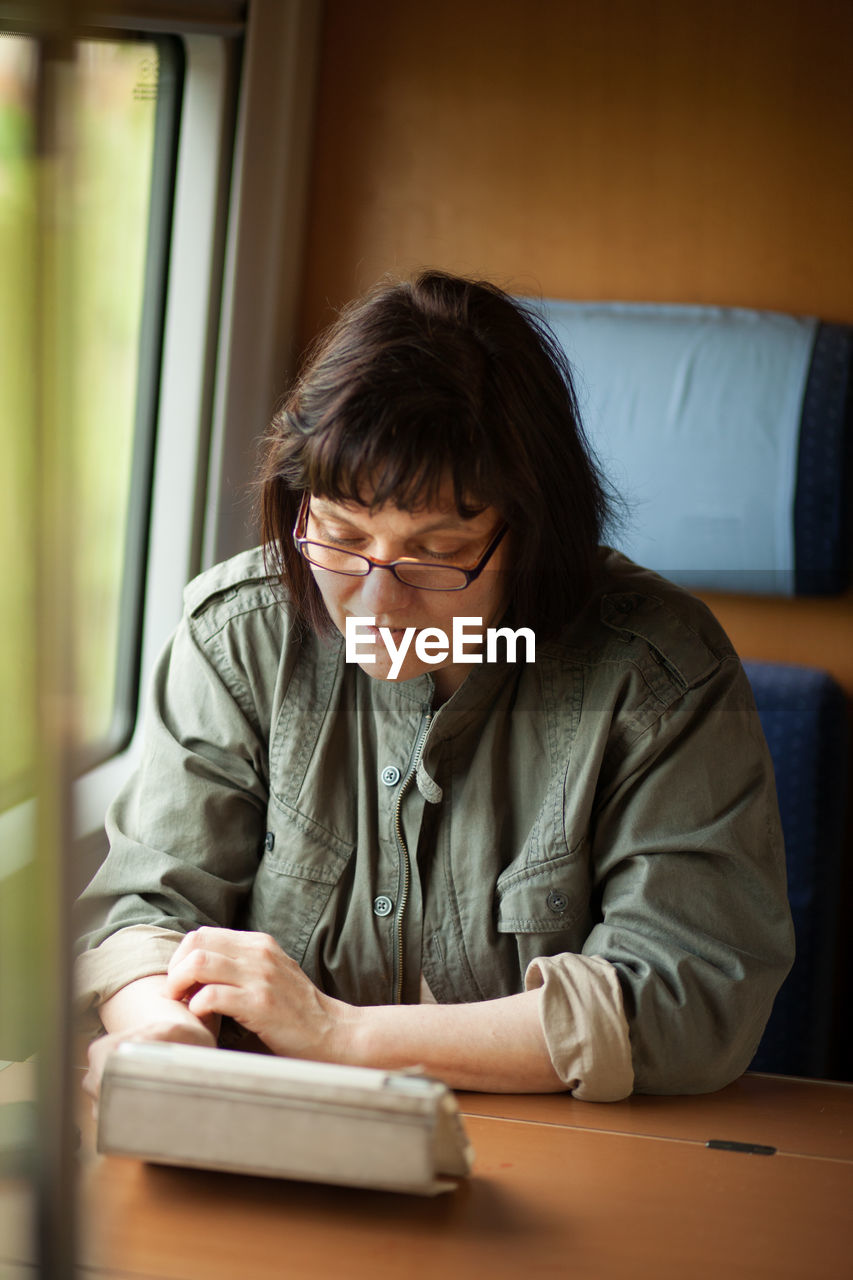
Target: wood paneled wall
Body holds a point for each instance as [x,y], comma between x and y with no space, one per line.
[665,151]
[608,149]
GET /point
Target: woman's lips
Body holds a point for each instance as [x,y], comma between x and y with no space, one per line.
[374,632]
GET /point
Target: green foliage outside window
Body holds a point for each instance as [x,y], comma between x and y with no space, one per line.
[101,220]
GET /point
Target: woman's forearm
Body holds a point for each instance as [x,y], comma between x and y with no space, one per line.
[494,1046]
[145,1001]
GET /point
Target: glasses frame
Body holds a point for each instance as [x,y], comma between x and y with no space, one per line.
[300,541]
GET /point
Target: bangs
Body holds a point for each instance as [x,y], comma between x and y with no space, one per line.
[405,466]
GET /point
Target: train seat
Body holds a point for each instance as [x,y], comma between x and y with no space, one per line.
[729,435]
[803,714]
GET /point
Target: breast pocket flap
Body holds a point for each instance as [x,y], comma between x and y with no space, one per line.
[541,899]
[298,846]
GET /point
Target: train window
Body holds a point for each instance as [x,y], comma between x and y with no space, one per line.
[125,101]
[17,200]
[185,211]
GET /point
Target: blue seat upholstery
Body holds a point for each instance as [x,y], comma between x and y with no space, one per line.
[823,528]
[803,714]
[728,433]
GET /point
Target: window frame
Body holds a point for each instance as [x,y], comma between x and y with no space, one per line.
[167,502]
[229,339]
[227,345]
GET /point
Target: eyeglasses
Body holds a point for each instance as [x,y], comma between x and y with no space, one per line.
[414,573]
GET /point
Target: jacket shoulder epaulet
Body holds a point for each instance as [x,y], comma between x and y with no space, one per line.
[675,626]
[243,576]
[639,605]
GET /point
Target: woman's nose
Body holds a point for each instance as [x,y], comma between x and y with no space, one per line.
[382,593]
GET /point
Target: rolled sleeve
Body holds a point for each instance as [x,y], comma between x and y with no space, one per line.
[135,952]
[583,1021]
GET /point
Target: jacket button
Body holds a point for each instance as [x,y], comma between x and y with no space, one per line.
[269,841]
[557,901]
[382,906]
[390,775]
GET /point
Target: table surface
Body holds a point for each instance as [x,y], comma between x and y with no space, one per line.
[559,1188]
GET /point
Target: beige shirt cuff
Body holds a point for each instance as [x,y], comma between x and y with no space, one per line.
[583,1020]
[131,953]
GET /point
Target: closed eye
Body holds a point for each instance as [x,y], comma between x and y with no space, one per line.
[420,553]
[341,542]
[425,554]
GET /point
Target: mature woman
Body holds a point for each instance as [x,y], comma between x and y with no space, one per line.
[523,868]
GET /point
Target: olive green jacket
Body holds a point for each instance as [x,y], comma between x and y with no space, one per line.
[602,822]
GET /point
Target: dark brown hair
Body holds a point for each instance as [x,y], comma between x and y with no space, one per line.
[438,376]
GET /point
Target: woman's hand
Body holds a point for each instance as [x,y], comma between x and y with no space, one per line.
[248,977]
[493,1045]
[177,1031]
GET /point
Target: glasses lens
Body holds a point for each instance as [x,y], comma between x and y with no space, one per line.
[432,577]
[334,560]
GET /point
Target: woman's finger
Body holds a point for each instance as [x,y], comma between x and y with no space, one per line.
[227,1000]
[206,938]
[227,942]
[200,967]
[99,1051]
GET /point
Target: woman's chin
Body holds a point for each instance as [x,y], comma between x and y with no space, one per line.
[410,669]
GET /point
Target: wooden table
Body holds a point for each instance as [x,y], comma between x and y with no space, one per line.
[620,1191]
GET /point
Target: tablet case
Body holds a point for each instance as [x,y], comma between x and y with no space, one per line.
[281,1117]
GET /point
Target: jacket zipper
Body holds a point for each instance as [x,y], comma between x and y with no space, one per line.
[404,858]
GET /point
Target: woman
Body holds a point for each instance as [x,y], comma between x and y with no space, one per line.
[359,844]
